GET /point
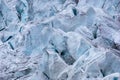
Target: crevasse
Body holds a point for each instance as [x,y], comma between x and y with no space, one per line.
[59,39]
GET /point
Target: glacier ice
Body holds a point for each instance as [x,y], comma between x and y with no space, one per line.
[59,39]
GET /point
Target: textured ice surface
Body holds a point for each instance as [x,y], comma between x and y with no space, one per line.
[59,39]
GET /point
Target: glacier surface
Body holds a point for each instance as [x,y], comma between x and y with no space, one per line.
[59,39]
